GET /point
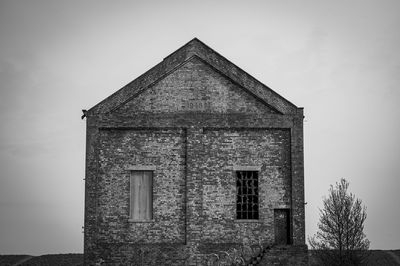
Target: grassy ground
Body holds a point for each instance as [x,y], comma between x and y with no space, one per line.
[377,257]
[380,257]
[7,260]
[44,260]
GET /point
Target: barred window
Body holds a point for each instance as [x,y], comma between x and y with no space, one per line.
[247,195]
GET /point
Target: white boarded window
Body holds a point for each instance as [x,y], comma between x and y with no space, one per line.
[141,196]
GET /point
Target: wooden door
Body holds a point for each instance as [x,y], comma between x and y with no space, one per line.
[282,228]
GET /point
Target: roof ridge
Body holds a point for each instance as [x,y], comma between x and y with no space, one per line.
[183,46]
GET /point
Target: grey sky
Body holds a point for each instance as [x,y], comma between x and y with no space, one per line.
[337,59]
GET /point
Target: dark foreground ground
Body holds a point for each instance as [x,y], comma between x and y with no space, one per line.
[46,260]
[377,257]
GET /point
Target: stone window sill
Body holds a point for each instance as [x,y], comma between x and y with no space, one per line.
[247,221]
[141,221]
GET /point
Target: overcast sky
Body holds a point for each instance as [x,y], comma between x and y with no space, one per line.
[339,60]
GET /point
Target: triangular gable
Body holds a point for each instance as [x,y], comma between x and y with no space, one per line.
[194,87]
[194,48]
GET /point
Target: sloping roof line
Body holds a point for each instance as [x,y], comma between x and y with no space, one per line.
[173,61]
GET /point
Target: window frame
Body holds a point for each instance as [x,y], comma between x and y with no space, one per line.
[236,170]
[141,168]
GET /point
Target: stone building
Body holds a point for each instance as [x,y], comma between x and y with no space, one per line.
[193,157]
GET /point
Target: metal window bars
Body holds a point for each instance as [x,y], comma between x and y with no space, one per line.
[247,195]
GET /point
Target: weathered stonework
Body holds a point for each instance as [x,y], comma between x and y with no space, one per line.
[195,119]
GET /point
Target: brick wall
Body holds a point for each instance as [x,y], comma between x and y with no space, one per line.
[120,149]
[194,87]
[228,148]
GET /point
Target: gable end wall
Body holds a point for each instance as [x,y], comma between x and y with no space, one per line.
[194,152]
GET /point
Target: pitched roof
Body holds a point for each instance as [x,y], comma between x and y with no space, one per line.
[173,61]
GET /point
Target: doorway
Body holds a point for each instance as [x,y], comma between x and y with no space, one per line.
[282,226]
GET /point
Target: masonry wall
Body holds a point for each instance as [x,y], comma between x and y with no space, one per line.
[194,125]
[228,149]
[121,149]
[194,88]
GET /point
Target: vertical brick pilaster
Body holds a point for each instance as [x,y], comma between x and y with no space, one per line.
[91,172]
[194,192]
[298,224]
